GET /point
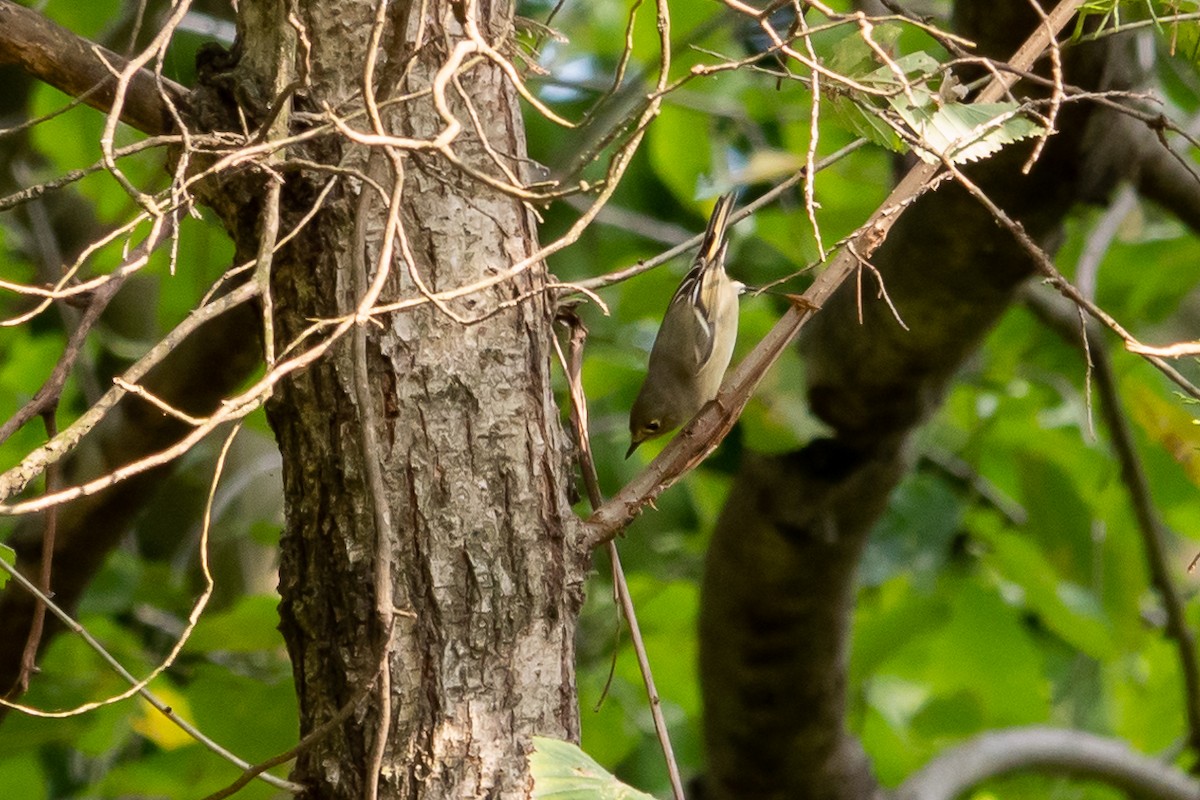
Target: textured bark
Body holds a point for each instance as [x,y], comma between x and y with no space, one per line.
[470,446]
[779,584]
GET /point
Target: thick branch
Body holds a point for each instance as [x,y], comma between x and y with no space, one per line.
[84,70]
[1046,750]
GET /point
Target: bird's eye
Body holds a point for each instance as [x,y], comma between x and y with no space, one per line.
[653,426]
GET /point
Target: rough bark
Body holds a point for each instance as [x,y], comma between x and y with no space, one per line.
[470,447]
[780,575]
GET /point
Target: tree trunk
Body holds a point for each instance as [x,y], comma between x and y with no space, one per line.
[447,461]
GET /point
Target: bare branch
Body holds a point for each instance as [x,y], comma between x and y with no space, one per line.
[51,390]
[1045,265]
[139,687]
[579,422]
[18,477]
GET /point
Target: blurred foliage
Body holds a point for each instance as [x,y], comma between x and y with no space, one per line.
[1016,594]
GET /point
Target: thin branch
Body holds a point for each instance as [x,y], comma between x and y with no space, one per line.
[385,603]
[1045,265]
[312,737]
[617,276]
[573,368]
[193,617]
[140,686]
[1176,350]
[17,478]
[50,391]
[49,533]
[1056,94]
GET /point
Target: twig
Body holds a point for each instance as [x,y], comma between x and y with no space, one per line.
[573,368]
[18,477]
[1056,279]
[48,395]
[364,399]
[49,534]
[617,276]
[77,67]
[955,471]
[1056,94]
[66,288]
[193,617]
[814,129]
[311,738]
[262,271]
[1177,350]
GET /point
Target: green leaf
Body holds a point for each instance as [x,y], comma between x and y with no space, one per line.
[1067,608]
[855,116]
[963,132]
[853,57]
[564,772]
[863,113]
[945,128]
[24,778]
[249,626]
[1183,39]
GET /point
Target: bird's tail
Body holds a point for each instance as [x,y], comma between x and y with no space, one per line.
[714,237]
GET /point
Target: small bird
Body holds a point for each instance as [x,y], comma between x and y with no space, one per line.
[694,343]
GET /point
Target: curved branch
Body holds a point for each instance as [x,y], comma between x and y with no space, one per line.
[84,70]
[1046,750]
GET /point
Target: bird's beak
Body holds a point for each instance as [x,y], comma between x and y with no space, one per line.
[632,446]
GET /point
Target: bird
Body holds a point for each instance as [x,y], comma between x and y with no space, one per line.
[695,341]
